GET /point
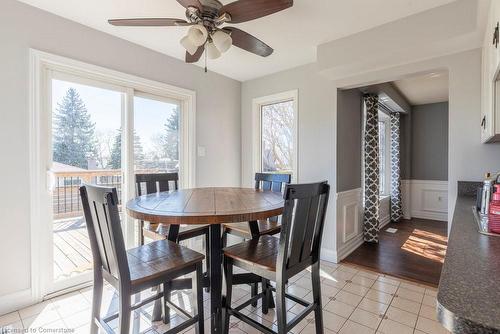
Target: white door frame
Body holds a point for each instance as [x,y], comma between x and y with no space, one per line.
[42,64]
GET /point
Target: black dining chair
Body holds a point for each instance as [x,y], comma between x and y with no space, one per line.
[132,271]
[255,229]
[278,260]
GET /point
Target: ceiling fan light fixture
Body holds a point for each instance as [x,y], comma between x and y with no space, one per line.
[188,45]
[222,41]
[212,51]
[198,34]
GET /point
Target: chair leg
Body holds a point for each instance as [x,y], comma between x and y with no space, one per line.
[270,300]
[228,274]
[265,296]
[198,299]
[253,292]
[141,233]
[207,252]
[96,303]
[124,313]
[167,294]
[281,306]
[316,287]
[224,238]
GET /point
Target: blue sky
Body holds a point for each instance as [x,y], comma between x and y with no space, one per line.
[104,107]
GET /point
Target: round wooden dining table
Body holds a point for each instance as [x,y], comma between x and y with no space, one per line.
[212,206]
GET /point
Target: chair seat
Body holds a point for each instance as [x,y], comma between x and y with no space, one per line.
[160,231]
[261,252]
[266,227]
[158,259]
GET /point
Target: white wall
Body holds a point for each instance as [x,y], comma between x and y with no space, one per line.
[23,27]
[316,130]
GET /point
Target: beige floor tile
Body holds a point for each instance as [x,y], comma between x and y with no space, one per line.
[428,312]
[348,268]
[373,306]
[335,282]
[389,280]
[351,327]
[384,287]
[328,290]
[431,291]
[406,305]
[78,319]
[9,318]
[356,289]
[41,319]
[297,291]
[339,308]
[362,280]
[410,295]
[430,326]
[429,301]
[418,332]
[379,296]
[35,309]
[12,327]
[340,275]
[348,298]
[365,318]
[412,287]
[388,326]
[331,321]
[311,329]
[368,274]
[243,326]
[404,317]
[69,304]
[304,282]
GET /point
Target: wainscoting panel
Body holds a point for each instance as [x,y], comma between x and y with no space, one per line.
[349,222]
[429,199]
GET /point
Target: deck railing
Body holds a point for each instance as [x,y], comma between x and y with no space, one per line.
[66,195]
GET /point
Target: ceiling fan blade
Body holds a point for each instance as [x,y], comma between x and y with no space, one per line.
[246,10]
[248,42]
[149,22]
[190,3]
[197,55]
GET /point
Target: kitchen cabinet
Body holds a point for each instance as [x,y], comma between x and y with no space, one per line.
[490,87]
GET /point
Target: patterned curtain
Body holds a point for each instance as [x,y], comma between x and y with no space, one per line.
[396,207]
[371,170]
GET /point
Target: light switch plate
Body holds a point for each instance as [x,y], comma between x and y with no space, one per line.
[202,151]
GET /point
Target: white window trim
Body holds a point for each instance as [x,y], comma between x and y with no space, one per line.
[257,103]
[42,65]
[383,117]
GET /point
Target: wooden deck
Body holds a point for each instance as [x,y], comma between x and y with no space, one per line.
[72,254]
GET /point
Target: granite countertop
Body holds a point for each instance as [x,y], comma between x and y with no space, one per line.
[469,290]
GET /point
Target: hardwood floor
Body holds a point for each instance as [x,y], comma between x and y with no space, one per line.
[415,252]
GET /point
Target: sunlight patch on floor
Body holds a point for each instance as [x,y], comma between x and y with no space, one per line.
[426,244]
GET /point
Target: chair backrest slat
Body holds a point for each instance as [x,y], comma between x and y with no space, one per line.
[100,207]
[272,181]
[302,224]
[156,182]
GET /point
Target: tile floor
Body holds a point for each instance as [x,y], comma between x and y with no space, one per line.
[354,301]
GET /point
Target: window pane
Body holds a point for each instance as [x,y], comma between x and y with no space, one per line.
[277,137]
[382,156]
[156,136]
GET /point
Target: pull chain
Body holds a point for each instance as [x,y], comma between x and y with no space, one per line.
[205,61]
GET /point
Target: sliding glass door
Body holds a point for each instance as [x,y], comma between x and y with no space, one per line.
[97,132]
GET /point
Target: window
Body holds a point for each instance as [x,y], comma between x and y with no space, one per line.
[275,129]
[384,141]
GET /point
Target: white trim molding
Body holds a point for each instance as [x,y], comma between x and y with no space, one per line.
[349,208]
[429,199]
[257,103]
[15,301]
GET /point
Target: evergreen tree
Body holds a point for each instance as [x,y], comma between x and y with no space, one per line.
[74,137]
[172,136]
[115,160]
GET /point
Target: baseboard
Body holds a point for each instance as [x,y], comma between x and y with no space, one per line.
[430,215]
[384,221]
[15,301]
[329,255]
[349,247]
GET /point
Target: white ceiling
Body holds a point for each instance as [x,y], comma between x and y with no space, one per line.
[294,33]
[423,89]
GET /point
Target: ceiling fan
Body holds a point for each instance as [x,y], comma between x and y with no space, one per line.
[207,33]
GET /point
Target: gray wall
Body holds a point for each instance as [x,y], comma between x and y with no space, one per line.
[349,124]
[429,142]
[218,117]
[405,146]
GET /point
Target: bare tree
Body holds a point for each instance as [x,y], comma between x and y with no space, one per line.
[277,136]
